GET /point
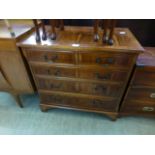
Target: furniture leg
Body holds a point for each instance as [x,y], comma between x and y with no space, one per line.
[18,100]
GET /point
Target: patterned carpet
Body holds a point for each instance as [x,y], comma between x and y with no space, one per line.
[31,121]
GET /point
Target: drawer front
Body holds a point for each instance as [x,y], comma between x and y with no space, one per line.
[142,94]
[79,87]
[76,102]
[83,73]
[144,77]
[54,71]
[51,56]
[130,106]
[102,74]
[104,59]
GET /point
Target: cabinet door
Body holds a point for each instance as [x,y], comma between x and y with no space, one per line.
[4,84]
[15,71]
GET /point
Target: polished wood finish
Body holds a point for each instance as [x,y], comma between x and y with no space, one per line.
[108,33]
[61,24]
[140,96]
[53,26]
[14,77]
[105,33]
[44,34]
[38,38]
[96,25]
[74,72]
[112,26]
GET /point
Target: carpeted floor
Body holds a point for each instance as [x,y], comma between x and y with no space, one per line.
[30,120]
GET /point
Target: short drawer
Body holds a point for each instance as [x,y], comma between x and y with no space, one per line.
[51,56]
[141,94]
[81,103]
[144,76]
[69,85]
[102,74]
[142,107]
[105,59]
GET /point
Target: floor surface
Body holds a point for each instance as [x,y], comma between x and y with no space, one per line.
[31,121]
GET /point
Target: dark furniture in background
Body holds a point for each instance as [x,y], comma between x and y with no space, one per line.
[143,29]
[140,95]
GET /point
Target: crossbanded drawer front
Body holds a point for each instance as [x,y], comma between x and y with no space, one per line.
[82,72]
[55,71]
[51,56]
[112,90]
[102,74]
[76,102]
[144,77]
[134,106]
[142,94]
[105,60]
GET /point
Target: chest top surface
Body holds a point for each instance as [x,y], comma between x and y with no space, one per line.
[19,27]
[147,58]
[77,38]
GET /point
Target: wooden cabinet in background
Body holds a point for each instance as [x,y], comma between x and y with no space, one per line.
[13,73]
[140,96]
[75,72]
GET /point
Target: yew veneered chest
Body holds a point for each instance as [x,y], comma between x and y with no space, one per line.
[89,76]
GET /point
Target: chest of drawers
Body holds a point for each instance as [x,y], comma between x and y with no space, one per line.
[89,76]
[140,96]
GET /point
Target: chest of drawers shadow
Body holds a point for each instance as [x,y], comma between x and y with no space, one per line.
[140,96]
[89,77]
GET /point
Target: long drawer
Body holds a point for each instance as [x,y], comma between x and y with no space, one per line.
[82,72]
[51,56]
[76,102]
[144,76]
[103,59]
[79,86]
[142,107]
[142,94]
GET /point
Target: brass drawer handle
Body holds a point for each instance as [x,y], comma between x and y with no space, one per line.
[54,57]
[56,73]
[56,86]
[48,71]
[110,60]
[99,87]
[105,77]
[45,57]
[56,98]
[97,103]
[152,95]
[98,60]
[148,108]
